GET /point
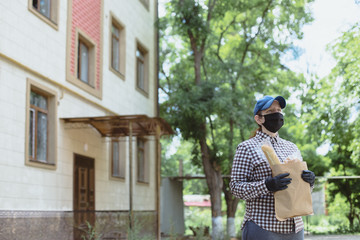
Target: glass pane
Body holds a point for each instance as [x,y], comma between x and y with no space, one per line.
[33,98]
[140,75]
[38,100]
[141,160]
[32,133]
[115,158]
[122,160]
[42,102]
[140,55]
[115,31]
[115,53]
[45,7]
[35,3]
[41,137]
[140,165]
[84,62]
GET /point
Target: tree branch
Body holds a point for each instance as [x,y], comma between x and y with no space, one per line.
[248,43]
[221,37]
[167,80]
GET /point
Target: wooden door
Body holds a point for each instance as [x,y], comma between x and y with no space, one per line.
[84,194]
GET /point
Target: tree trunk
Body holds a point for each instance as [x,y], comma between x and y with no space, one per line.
[215,183]
[212,171]
[231,201]
[231,206]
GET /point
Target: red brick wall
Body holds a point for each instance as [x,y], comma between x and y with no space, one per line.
[86,16]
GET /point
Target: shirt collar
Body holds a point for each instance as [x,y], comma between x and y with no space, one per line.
[262,136]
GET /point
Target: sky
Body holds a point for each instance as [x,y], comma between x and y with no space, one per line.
[331,18]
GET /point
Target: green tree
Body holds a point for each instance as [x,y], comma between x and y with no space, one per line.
[344,129]
[330,110]
[171,164]
[216,56]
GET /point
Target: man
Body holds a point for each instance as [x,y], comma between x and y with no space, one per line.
[251,177]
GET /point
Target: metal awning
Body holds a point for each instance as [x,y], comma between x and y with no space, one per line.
[131,126]
[118,126]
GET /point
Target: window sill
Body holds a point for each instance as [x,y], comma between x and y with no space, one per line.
[44,18]
[142,91]
[40,164]
[117,73]
[143,183]
[117,178]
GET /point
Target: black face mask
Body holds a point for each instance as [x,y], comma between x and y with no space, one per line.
[273,122]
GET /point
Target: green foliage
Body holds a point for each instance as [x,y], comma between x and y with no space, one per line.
[240,46]
[175,150]
[216,58]
[91,233]
[346,50]
[200,217]
[330,108]
[333,223]
[135,232]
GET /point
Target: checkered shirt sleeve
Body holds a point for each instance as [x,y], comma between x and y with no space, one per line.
[249,171]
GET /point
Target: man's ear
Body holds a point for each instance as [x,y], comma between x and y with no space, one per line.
[258,119]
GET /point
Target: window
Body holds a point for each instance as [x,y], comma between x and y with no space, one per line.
[41,126]
[117,50]
[83,67]
[43,6]
[141,161]
[47,10]
[85,62]
[142,69]
[38,129]
[118,158]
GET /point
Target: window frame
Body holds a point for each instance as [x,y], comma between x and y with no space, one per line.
[114,21]
[73,78]
[145,89]
[34,111]
[121,161]
[81,45]
[51,150]
[53,20]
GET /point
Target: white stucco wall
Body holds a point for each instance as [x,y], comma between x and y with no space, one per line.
[30,48]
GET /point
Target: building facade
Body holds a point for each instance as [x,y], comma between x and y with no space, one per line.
[80,132]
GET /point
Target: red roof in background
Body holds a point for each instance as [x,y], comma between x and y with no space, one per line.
[198,204]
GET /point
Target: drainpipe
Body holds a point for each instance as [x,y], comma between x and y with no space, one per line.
[130,178]
[158,180]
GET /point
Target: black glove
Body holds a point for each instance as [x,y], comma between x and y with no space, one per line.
[308,176]
[278,182]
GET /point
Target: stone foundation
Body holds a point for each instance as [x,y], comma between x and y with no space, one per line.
[69,225]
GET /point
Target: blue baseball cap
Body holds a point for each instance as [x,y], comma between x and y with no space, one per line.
[266,102]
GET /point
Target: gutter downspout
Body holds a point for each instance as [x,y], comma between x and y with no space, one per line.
[130,178]
[158,180]
[158,145]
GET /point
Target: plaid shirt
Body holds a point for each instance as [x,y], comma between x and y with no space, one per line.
[249,171]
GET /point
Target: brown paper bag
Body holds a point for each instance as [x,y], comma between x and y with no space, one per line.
[296,199]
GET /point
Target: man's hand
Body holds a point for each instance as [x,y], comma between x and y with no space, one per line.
[278,182]
[308,176]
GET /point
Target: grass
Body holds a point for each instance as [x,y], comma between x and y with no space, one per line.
[200,217]
[336,223]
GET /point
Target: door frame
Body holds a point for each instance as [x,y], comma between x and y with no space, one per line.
[81,216]
[91,164]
